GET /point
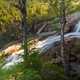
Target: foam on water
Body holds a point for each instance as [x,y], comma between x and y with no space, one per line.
[50,41]
[43,46]
[77,27]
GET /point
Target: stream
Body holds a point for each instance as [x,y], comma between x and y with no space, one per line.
[52,40]
[43,46]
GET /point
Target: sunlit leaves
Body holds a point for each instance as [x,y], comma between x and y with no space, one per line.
[8,13]
[37,9]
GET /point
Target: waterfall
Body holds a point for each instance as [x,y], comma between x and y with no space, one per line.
[13,59]
[77,27]
[43,46]
[52,40]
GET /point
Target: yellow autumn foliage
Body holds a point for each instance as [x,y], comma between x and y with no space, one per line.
[37,10]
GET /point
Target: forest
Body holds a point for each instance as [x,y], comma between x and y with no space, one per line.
[39,39]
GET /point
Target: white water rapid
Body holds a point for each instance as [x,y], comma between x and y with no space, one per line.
[52,40]
[43,46]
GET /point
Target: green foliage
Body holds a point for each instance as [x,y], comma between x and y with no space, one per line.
[35,70]
[11,74]
[36,9]
[8,13]
[31,74]
[52,72]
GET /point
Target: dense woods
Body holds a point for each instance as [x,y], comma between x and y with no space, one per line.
[39,39]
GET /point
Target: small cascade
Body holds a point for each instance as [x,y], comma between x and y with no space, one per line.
[13,59]
[43,46]
[52,40]
[77,27]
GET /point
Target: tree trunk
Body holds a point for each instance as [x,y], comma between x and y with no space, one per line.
[63,54]
[22,4]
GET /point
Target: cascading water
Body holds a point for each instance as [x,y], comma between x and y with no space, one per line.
[52,40]
[77,27]
[44,45]
[15,58]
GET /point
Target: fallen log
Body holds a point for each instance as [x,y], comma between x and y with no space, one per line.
[44,34]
